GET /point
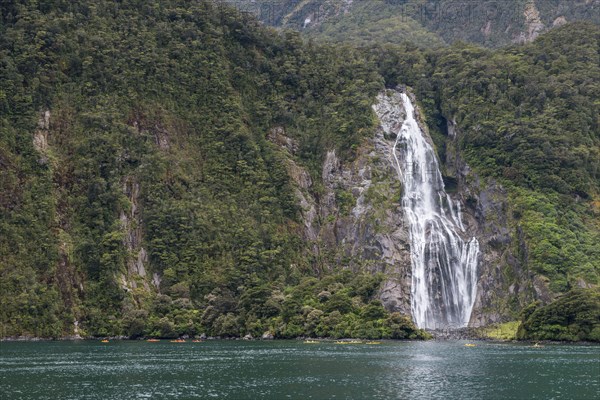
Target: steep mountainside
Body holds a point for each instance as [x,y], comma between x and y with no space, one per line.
[137,179]
[179,168]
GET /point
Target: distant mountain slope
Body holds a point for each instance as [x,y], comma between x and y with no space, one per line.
[423,22]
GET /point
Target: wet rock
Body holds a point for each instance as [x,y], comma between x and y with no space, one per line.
[267,336]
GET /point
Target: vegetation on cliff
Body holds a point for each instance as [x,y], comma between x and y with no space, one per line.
[574,316]
[140,194]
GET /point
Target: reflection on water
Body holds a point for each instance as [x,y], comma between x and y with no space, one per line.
[290,369]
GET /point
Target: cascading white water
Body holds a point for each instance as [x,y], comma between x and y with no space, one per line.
[444,265]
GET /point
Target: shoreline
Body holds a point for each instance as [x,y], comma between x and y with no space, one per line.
[299,339]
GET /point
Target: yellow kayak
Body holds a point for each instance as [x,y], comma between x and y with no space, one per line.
[470,345]
[104,341]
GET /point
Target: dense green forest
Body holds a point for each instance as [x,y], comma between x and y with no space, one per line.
[141,196]
[572,317]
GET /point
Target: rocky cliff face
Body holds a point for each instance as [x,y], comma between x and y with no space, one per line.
[504,284]
[356,221]
[533,24]
[131,224]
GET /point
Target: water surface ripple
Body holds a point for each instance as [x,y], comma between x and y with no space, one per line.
[292,369]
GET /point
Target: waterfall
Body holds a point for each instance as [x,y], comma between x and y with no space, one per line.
[444,262]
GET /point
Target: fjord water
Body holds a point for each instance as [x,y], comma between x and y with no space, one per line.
[292,369]
[444,259]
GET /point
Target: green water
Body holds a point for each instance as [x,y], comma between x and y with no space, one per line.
[292,369]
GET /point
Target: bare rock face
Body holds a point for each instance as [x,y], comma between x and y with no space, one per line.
[560,21]
[132,226]
[504,283]
[356,221]
[40,137]
[533,23]
[368,228]
[267,336]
